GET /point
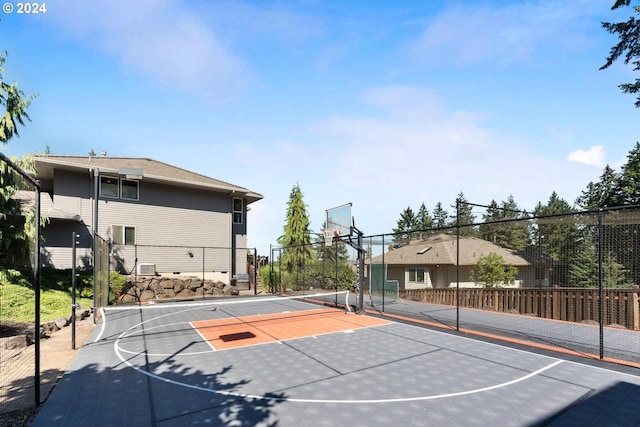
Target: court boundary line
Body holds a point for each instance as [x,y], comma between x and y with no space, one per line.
[548,347]
[118,351]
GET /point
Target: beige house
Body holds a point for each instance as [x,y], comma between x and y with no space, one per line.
[432,263]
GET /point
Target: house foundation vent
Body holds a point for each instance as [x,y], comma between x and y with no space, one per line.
[146,269]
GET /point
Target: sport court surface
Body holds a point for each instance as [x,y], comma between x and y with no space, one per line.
[290,362]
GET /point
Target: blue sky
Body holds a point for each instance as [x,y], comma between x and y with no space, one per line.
[384,104]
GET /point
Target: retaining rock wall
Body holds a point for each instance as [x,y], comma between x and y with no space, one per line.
[153,288]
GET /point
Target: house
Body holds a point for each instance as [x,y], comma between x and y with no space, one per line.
[158,218]
[432,263]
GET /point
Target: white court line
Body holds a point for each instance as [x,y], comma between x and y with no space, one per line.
[197,304]
[104,324]
[345,401]
[118,351]
[119,354]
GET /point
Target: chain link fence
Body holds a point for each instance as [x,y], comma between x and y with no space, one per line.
[566,281]
[165,272]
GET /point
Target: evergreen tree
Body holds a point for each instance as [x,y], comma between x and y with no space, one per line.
[296,240]
[465,216]
[15,104]
[601,194]
[440,216]
[16,231]
[557,237]
[512,235]
[423,222]
[404,231]
[584,269]
[629,178]
[628,46]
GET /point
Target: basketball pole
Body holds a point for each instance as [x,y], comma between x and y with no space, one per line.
[358,246]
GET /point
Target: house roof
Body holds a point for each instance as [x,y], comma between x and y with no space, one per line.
[27,200]
[153,170]
[441,249]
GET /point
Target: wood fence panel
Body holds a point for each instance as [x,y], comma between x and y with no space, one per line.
[620,306]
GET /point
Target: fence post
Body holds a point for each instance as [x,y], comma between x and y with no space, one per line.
[635,311]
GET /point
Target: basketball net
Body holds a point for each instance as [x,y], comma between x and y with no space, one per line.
[329,234]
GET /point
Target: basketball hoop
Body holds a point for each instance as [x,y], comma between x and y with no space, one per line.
[329,234]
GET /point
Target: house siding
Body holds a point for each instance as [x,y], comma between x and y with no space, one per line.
[181,229]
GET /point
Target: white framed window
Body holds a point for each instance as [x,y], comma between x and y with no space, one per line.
[416,275]
[123,235]
[237,210]
[129,189]
[109,187]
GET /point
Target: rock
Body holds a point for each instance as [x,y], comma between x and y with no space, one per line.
[147,295]
[194,285]
[18,341]
[185,293]
[167,284]
[61,322]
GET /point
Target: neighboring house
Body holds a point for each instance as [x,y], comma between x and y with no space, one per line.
[432,263]
[155,215]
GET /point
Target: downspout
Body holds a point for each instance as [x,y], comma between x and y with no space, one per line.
[96,175]
[232,243]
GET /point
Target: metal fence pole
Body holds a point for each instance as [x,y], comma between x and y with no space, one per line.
[600,282]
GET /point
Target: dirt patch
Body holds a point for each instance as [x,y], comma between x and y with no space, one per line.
[55,355]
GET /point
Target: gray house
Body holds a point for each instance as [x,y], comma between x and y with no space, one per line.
[158,218]
[432,263]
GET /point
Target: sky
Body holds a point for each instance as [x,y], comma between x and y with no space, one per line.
[382,104]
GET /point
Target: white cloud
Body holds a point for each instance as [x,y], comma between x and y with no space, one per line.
[161,39]
[595,156]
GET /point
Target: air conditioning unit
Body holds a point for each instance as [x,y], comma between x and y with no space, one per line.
[146,269]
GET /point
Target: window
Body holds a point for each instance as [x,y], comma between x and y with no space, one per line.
[119,188]
[416,275]
[237,211]
[129,189]
[109,186]
[123,235]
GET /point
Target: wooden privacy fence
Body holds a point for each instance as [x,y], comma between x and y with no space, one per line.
[620,306]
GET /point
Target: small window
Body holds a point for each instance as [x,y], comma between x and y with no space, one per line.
[109,186]
[416,275]
[129,189]
[123,235]
[237,210]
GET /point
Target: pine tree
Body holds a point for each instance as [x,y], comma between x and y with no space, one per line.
[423,222]
[512,235]
[404,231]
[465,217]
[440,216]
[296,240]
[628,46]
[601,194]
[629,178]
[557,237]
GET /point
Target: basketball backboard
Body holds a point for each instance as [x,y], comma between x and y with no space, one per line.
[339,219]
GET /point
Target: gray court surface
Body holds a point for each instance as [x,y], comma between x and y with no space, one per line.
[151,368]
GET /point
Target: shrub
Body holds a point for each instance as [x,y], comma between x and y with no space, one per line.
[117,284]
